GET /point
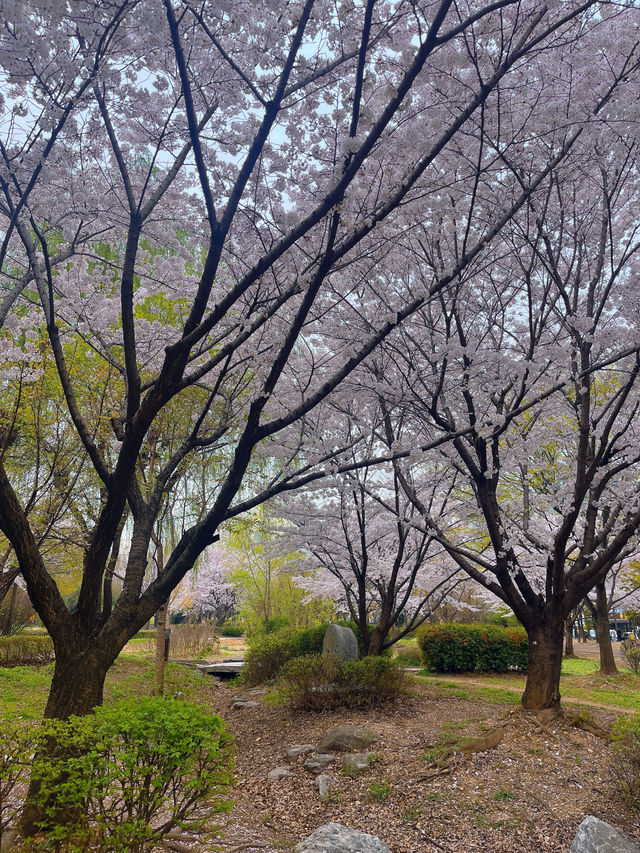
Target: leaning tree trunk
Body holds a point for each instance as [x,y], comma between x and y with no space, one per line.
[542,690]
[607,660]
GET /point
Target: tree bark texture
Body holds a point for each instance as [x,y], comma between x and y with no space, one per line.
[542,690]
[607,660]
[568,638]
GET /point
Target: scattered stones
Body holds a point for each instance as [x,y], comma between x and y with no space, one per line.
[323,783]
[317,763]
[245,703]
[278,773]
[336,838]
[340,642]
[355,762]
[294,752]
[596,836]
[347,739]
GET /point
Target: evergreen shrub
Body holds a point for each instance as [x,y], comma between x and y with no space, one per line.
[456,647]
[26,650]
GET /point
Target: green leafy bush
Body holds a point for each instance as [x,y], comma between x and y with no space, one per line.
[468,648]
[17,743]
[232,629]
[122,778]
[626,737]
[26,650]
[317,682]
[268,653]
[630,649]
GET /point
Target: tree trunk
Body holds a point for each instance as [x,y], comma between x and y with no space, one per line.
[607,660]
[545,662]
[161,627]
[376,642]
[568,638]
[76,689]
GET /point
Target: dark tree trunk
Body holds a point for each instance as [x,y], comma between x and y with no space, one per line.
[542,690]
[607,660]
[376,642]
[568,638]
[76,689]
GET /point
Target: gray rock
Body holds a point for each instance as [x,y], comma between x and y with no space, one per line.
[355,762]
[317,763]
[294,753]
[347,739]
[596,836]
[245,703]
[278,773]
[336,838]
[323,783]
[340,642]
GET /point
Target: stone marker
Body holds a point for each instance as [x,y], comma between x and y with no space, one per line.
[596,836]
[336,838]
[347,739]
[340,642]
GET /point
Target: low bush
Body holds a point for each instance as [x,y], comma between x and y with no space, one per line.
[408,655]
[267,654]
[192,640]
[26,650]
[626,737]
[318,682]
[122,778]
[232,629]
[630,649]
[468,648]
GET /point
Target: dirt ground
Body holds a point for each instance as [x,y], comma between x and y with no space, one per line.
[528,793]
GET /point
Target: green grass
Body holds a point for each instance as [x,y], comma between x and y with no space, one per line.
[24,690]
[578,666]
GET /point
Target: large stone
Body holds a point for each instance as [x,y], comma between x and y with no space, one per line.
[323,783]
[336,838]
[279,773]
[596,836]
[294,752]
[347,739]
[354,763]
[317,763]
[340,642]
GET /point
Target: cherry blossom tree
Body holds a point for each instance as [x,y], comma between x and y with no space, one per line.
[207,593]
[208,196]
[534,361]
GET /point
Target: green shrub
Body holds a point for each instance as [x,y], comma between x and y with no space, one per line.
[267,654]
[232,629]
[626,737]
[26,650]
[408,655]
[630,649]
[17,743]
[122,778]
[467,648]
[317,682]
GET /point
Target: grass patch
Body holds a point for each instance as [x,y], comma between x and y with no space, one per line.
[24,690]
[578,666]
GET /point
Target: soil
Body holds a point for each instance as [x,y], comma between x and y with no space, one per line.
[527,791]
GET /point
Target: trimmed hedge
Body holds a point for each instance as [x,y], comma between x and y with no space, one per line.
[26,650]
[469,648]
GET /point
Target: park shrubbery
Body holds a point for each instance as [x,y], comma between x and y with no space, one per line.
[631,654]
[317,682]
[626,736]
[469,648]
[121,778]
[26,650]
[268,653]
